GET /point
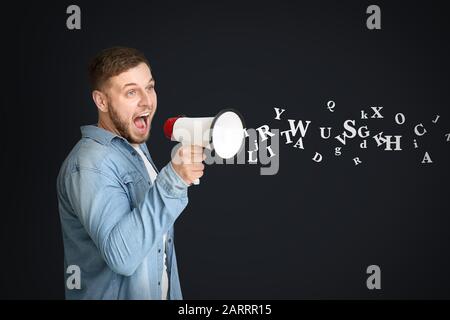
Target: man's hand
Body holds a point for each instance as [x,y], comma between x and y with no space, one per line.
[187,162]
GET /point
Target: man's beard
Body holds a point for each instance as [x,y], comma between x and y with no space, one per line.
[124,127]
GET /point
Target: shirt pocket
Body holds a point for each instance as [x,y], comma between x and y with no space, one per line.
[133,182]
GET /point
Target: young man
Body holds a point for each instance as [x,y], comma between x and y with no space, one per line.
[117,212]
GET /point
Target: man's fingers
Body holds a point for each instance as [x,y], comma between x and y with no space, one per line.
[191,149]
[196,149]
[198,174]
[192,154]
[187,162]
[192,158]
[197,157]
[198,166]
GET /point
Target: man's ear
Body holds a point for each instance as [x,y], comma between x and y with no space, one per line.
[100,100]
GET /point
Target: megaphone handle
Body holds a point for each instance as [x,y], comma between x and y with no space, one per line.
[196,182]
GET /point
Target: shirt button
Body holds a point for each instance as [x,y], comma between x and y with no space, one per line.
[170,240]
[159,250]
[159,283]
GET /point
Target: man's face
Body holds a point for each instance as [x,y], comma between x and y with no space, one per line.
[132,103]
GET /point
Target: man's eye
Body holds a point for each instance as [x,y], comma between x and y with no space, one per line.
[150,88]
[131,93]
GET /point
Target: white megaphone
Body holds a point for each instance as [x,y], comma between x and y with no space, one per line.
[224,133]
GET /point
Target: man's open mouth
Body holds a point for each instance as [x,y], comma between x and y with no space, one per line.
[142,121]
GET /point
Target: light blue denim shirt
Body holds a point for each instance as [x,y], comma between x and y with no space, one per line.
[113,219]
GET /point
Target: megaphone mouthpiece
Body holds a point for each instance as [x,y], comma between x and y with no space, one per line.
[168,127]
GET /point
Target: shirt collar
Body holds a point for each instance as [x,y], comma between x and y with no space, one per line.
[98,134]
[105,137]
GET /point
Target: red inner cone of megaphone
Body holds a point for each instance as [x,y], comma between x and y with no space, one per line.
[168,126]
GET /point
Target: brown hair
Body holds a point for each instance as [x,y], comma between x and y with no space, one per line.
[112,62]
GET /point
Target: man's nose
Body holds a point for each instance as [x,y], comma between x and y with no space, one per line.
[145,99]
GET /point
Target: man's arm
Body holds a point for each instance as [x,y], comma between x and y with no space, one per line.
[124,236]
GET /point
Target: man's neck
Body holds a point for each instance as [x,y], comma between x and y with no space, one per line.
[109,127]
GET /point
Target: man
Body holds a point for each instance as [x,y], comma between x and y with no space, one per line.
[117,212]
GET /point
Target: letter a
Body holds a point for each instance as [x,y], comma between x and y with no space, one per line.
[426,158]
[74,280]
[374,21]
[374,281]
[74,20]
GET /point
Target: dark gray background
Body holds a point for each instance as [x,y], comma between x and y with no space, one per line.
[308,232]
